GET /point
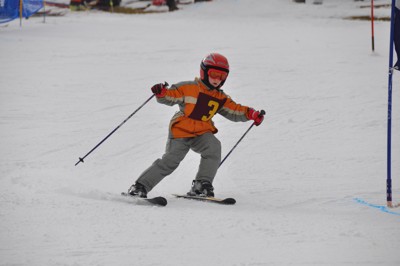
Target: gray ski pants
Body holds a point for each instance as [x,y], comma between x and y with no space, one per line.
[207,145]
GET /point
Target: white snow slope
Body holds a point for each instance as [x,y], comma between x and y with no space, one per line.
[65,84]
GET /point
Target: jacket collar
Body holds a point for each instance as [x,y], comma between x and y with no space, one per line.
[204,86]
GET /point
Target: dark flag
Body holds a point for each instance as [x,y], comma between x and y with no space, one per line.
[396,35]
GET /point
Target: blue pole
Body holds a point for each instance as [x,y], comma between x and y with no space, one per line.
[389,128]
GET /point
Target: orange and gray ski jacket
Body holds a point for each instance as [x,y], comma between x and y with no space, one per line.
[197,106]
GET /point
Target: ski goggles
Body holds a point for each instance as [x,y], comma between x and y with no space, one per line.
[217,74]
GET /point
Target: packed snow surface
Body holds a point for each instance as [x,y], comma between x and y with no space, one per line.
[298,178]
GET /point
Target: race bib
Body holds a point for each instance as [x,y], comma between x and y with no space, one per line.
[206,107]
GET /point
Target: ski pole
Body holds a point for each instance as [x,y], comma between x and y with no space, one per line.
[229,153]
[372,26]
[389,202]
[112,132]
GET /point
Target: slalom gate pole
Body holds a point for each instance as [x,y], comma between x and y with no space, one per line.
[112,6]
[44,11]
[229,153]
[112,132]
[20,12]
[389,121]
[372,26]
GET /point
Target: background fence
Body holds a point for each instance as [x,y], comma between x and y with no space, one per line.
[12,9]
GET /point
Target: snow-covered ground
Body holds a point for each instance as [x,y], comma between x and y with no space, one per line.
[65,84]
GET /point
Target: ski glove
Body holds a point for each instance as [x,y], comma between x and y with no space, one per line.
[257,116]
[160,89]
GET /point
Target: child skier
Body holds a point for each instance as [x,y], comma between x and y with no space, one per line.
[192,128]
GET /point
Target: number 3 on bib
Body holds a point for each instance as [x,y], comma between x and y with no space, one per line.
[206,107]
[214,108]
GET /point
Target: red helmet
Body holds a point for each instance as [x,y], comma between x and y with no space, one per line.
[215,62]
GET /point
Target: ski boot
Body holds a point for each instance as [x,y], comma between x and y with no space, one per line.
[201,188]
[138,190]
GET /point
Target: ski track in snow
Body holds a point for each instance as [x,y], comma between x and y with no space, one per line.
[66,84]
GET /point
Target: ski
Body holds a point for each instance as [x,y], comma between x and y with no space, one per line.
[226,201]
[159,201]
[60,5]
[49,13]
